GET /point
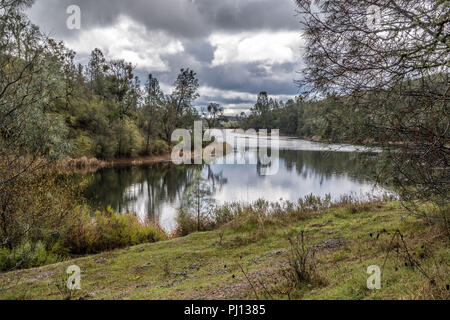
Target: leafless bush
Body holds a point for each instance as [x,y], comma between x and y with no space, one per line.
[61,285]
[435,284]
[302,268]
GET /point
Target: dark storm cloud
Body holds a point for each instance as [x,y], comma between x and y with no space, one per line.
[185,18]
[191,22]
[202,50]
[249,78]
[178,17]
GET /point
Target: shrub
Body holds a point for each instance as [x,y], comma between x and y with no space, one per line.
[159,147]
[301,262]
[105,146]
[228,212]
[186,224]
[29,255]
[34,206]
[84,146]
[111,230]
[130,140]
[301,265]
[42,222]
[80,163]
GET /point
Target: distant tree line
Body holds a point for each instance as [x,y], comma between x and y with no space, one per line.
[307,118]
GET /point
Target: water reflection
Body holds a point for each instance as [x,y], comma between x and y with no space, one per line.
[155,191]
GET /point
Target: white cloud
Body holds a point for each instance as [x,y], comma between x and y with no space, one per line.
[130,41]
[247,47]
[218,95]
[225,94]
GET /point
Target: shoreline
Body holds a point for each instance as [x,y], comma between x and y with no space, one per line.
[88,165]
[85,164]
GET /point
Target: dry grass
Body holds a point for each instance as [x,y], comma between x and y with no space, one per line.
[81,163]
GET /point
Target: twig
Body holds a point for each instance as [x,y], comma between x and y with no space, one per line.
[251,284]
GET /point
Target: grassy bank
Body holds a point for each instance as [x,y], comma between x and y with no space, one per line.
[244,259]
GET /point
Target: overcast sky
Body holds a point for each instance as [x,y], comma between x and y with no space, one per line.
[237,47]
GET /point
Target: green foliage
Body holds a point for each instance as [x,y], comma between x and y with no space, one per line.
[196,206]
[159,147]
[131,142]
[114,230]
[84,146]
[187,224]
[177,268]
[111,117]
[322,119]
[110,230]
[46,223]
[29,255]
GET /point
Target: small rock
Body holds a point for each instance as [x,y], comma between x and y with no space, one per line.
[88,296]
[194,266]
[100,260]
[256,260]
[332,243]
[277,253]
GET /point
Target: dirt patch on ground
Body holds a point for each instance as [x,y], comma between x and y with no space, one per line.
[334,243]
[238,287]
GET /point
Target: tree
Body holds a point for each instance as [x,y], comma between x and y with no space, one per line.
[96,72]
[177,110]
[215,113]
[169,118]
[30,138]
[198,200]
[124,87]
[262,105]
[151,110]
[186,87]
[26,87]
[391,74]
[261,110]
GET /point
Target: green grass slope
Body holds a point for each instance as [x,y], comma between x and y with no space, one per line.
[248,260]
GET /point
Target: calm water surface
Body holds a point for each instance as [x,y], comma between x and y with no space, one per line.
[155,191]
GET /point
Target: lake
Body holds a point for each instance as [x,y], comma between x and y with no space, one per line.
[155,191]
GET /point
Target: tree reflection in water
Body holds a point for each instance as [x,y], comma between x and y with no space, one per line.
[155,191]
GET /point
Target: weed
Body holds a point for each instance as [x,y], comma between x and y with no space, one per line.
[302,268]
[61,285]
[166,270]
